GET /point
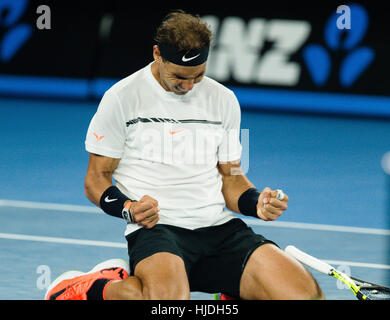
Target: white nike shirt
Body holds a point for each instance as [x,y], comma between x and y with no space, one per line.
[169,145]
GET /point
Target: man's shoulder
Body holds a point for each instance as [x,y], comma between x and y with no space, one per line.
[214,88]
[215,85]
[133,80]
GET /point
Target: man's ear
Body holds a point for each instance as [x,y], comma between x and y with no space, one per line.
[156,53]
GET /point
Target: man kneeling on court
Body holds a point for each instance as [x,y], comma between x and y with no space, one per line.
[169,137]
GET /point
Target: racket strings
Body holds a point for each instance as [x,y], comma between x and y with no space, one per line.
[375,292]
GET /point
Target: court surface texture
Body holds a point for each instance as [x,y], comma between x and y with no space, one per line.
[329,166]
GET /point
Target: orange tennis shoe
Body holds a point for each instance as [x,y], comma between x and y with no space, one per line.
[74,285]
[224,296]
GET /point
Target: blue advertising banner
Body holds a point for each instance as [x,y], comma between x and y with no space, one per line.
[327,58]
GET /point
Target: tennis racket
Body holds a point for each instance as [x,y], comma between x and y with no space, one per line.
[362,289]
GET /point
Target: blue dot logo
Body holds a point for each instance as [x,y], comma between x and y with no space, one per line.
[357,58]
[17,33]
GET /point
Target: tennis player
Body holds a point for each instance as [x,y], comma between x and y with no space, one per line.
[169,137]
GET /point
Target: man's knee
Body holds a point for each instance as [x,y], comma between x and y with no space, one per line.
[272,274]
[163,277]
[132,288]
[308,289]
[166,291]
[315,293]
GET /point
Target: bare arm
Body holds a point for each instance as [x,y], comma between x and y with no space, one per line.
[99,176]
[235,183]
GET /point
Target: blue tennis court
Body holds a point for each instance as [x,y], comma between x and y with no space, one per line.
[329,166]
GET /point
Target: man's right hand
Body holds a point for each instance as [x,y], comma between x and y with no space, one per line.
[145,211]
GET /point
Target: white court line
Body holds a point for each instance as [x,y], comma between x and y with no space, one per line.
[313,226]
[357,264]
[49,206]
[96,243]
[13,236]
[250,221]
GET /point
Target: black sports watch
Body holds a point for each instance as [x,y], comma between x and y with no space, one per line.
[127,214]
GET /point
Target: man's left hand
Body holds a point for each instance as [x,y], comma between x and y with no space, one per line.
[269,207]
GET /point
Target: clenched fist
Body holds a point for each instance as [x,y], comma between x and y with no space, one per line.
[269,207]
[145,211]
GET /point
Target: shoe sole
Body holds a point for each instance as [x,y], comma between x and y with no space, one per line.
[111,263]
[65,276]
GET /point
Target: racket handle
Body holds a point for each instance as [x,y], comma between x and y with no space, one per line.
[308,260]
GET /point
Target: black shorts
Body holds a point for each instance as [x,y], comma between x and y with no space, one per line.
[214,256]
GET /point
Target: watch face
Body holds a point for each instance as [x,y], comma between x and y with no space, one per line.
[126,215]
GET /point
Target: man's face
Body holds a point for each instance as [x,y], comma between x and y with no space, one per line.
[179,79]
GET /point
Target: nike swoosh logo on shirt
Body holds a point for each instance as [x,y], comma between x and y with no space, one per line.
[109,200]
[184,59]
[176,131]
